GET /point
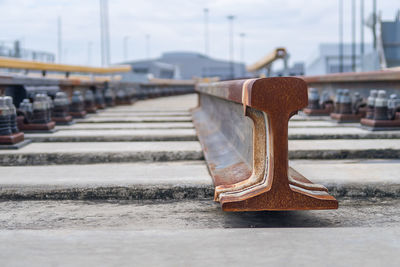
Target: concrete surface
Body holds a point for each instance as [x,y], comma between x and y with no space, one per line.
[106,152]
[319,123]
[302,117]
[115,113]
[116,135]
[340,133]
[132,110]
[133,119]
[172,180]
[353,178]
[344,149]
[203,247]
[188,214]
[194,233]
[91,132]
[126,126]
[172,103]
[181,180]
[103,152]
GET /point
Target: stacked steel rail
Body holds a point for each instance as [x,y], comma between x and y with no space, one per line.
[375,101]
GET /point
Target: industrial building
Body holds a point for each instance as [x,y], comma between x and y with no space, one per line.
[326,59]
[383,53]
[184,65]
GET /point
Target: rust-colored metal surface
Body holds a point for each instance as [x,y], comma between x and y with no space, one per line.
[67,120]
[35,127]
[342,118]
[243,129]
[384,79]
[78,115]
[12,139]
[376,125]
[318,112]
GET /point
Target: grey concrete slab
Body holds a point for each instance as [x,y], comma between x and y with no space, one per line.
[173,103]
[161,180]
[319,124]
[188,214]
[92,152]
[353,178]
[127,126]
[179,180]
[345,149]
[340,133]
[302,117]
[125,119]
[116,135]
[189,233]
[130,110]
[142,114]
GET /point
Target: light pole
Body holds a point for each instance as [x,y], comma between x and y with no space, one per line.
[353,35]
[206,42]
[231,66]
[148,46]
[125,48]
[374,20]
[362,28]
[59,39]
[90,45]
[242,36]
[340,35]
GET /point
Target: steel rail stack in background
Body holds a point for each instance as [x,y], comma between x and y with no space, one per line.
[376,111]
[248,157]
[363,82]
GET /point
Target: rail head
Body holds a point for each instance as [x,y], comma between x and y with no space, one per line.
[248,159]
[279,96]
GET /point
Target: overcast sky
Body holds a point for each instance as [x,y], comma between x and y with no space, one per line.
[179,25]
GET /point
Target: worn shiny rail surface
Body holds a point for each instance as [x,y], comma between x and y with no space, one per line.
[243,128]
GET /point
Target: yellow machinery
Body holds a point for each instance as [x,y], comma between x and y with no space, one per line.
[266,62]
[12,63]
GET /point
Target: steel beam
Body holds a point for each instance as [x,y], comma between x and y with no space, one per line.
[242,126]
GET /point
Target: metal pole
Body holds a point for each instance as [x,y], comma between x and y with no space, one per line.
[353,36]
[374,22]
[242,36]
[231,65]
[102,50]
[107,33]
[340,35]
[362,29]
[148,46]
[59,40]
[125,47]
[90,44]
[206,37]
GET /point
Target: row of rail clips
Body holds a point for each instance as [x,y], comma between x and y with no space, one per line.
[376,113]
[42,113]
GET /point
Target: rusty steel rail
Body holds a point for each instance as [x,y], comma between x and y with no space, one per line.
[243,129]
